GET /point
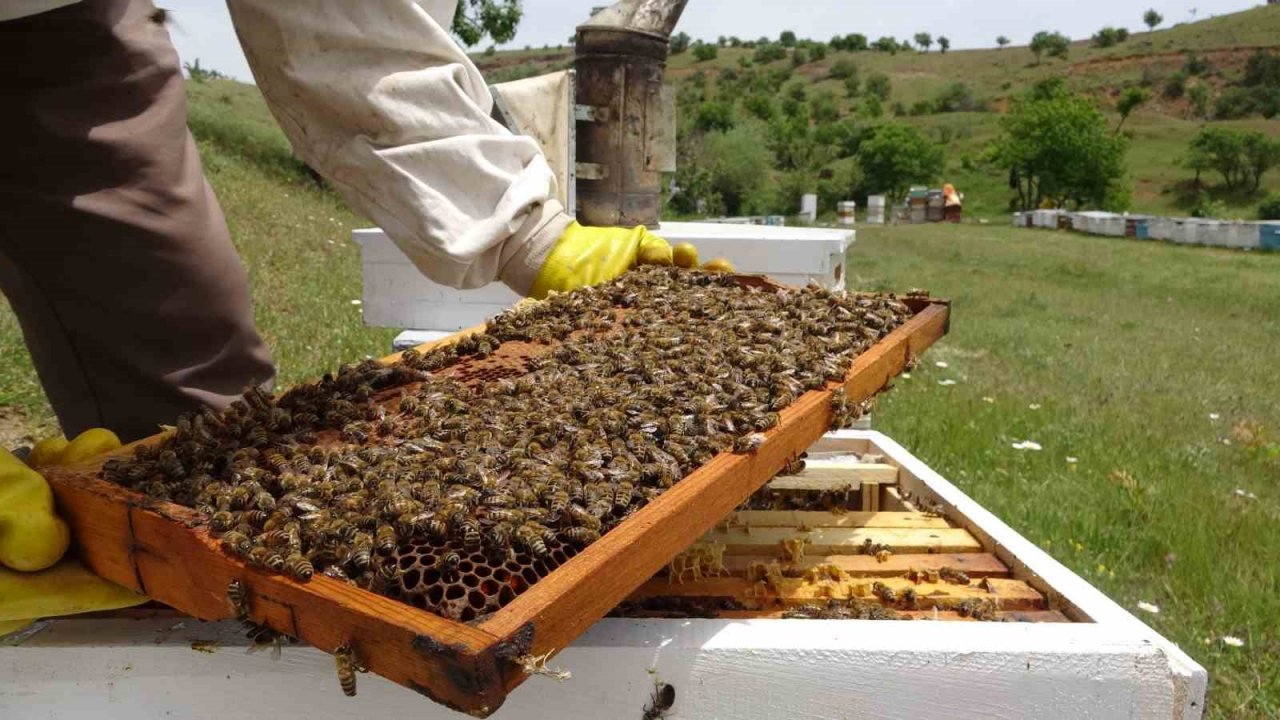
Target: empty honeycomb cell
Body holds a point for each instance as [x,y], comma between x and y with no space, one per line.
[559,557]
[530,575]
[435,594]
[541,568]
[489,587]
[430,576]
[483,571]
[470,580]
[411,578]
[465,567]
[506,595]
[500,574]
[453,592]
[477,599]
[407,561]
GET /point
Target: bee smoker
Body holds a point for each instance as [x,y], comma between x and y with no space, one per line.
[625,119]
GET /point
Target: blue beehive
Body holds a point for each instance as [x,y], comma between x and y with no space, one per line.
[1269,236]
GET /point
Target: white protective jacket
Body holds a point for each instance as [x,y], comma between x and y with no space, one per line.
[377,97]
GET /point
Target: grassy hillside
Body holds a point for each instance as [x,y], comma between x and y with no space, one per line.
[1160,130]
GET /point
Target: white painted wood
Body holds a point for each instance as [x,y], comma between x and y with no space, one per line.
[1112,667]
[396,294]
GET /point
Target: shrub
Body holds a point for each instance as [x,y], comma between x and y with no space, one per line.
[1176,86]
[956,97]
[1196,65]
[871,107]
[769,52]
[713,116]
[1269,209]
[787,39]
[1053,44]
[761,106]
[1241,157]
[886,44]
[922,107]
[843,69]
[1200,94]
[1108,37]
[824,108]
[703,52]
[878,84]
[799,57]
[817,52]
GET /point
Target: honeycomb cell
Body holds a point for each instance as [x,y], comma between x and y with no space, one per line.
[411,578]
[470,580]
[477,599]
[435,594]
[530,575]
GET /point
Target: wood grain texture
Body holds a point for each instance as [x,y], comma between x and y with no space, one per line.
[1012,594]
[845,541]
[564,604]
[977,565]
[164,551]
[835,478]
[797,519]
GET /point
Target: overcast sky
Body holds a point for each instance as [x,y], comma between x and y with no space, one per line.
[203,29]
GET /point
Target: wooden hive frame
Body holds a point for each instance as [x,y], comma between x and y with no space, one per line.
[165,551]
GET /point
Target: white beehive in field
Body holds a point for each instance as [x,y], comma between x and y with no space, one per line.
[1063,650]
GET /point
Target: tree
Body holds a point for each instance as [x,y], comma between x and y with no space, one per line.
[679,42]
[843,69]
[714,116]
[886,44]
[878,84]
[1002,41]
[1059,149]
[703,52]
[799,57]
[1108,37]
[896,156]
[924,40]
[824,108]
[1053,44]
[769,52]
[787,39]
[497,19]
[1241,157]
[1152,19]
[1131,100]
[944,44]
[1199,96]
[871,107]
[817,52]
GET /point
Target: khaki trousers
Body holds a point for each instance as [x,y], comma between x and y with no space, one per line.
[114,252]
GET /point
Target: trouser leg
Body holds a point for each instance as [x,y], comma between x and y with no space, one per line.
[115,253]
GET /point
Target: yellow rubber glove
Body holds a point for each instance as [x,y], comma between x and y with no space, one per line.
[590,255]
[33,538]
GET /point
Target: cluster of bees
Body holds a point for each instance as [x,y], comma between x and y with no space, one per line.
[628,388]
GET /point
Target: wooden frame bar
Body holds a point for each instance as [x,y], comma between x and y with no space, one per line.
[164,551]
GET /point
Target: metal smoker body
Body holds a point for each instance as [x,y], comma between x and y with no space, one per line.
[625,117]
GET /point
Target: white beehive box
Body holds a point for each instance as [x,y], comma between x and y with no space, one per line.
[397,295]
[1106,664]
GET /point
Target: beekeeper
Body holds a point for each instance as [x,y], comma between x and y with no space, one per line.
[115,254]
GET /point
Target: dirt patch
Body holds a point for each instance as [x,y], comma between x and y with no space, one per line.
[13,428]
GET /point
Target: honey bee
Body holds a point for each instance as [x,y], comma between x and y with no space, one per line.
[344,659]
[385,539]
[238,594]
[748,443]
[236,542]
[582,536]
[222,521]
[663,698]
[884,592]
[448,563]
[299,567]
[531,538]
[954,576]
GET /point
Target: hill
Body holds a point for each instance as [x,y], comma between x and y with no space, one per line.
[1215,50]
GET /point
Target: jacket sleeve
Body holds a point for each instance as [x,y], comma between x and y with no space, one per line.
[379,99]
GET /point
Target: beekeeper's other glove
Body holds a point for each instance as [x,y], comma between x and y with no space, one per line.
[33,539]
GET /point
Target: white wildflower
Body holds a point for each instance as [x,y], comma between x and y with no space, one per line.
[1214,416]
[1027,445]
[947,382]
[1148,607]
[940,364]
[1034,406]
[988,399]
[906,376]
[1072,460]
[357,302]
[1232,640]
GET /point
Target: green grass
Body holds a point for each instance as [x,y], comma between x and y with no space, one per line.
[1127,348]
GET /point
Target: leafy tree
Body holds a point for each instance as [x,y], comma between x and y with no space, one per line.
[799,57]
[895,156]
[1059,149]
[679,42]
[1131,100]
[1262,69]
[871,107]
[739,165]
[956,97]
[1002,41]
[944,44]
[1053,44]
[1270,208]
[817,52]
[843,69]
[476,19]
[924,40]
[853,42]
[761,106]
[703,52]
[1241,157]
[714,116]
[797,92]
[824,108]
[886,44]
[1199,96]
[1196,65]
[1107,37]
[879,85]
[769,52]
[1175,85]
[1152,19]
[1122,34]
[787,39]
[735,41]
